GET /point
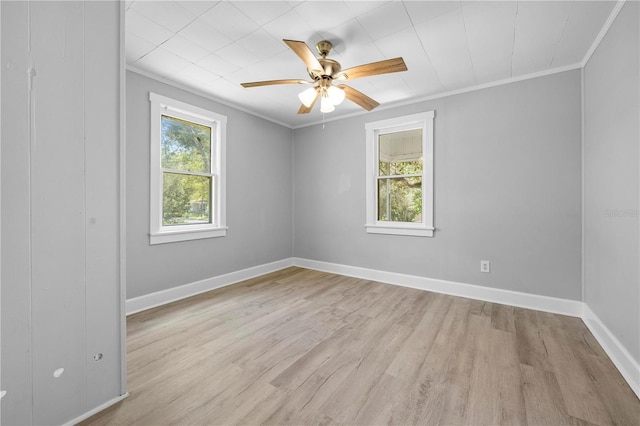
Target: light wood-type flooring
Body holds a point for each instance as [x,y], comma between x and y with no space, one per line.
[300,347]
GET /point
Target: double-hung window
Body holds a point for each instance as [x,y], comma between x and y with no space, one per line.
[400,175]
[187,172]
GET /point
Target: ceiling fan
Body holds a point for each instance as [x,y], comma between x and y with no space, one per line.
[324,71]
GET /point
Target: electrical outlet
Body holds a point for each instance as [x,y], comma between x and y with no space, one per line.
[485,266]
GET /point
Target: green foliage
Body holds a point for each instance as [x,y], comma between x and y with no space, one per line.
[185,146]
[175,200]
[398,168]
[400,198]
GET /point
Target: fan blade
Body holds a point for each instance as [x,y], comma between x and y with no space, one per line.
[375,68]
[358,97]
[306,110]
[302,50]
[271,82]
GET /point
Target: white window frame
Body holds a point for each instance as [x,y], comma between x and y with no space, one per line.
[373,130]
[159,234]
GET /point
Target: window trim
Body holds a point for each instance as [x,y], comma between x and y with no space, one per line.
[159,234]
[423,120]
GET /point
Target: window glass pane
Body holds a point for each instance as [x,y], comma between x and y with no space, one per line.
[186,199]
[185,145]
[400,153]
[400,199]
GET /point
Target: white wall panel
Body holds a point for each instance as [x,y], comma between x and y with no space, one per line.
[60,194]
[57,211]
[102,122]
[15,374]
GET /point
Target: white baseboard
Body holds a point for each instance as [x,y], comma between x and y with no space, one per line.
[163,297]
[96,410]
[620,356]
[471,291]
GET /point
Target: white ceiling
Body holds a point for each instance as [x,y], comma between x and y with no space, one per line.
[213,46]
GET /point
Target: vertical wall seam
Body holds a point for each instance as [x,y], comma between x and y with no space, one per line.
[122,225]
[583,190]
[30,125]
[1,388]
[293,193]
[84,199]
[513,40]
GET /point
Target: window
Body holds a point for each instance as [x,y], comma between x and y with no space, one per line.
[187,172]
[400,175]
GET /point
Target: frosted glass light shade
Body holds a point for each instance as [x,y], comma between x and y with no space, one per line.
[326,105]
[308,96]
[336,95]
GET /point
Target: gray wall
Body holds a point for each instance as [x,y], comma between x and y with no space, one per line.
[507,189]
[612,93]
[259,198]
[60,209]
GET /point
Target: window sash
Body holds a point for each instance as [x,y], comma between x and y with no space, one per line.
[199,122]
[380,177]
[196,122]
[210,188]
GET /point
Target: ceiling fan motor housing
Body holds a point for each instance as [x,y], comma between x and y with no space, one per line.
[329,69]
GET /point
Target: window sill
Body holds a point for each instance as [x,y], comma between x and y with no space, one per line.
[400,230]
[186,235]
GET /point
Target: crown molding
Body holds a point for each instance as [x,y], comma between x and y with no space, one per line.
[603,32]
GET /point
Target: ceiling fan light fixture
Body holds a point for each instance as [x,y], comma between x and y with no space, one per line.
[336,95]
[307,96]
[326,105]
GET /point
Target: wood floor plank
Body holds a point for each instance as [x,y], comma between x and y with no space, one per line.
[581,397]
[349,399]
[502,318]
[252,406]
[495,395]
[531,348]
[412,355]
[480,307]
[309,363]
[303,347]
[612,389]
[429,388]
[457,402]
[306,402]
[544,404]
[384,403]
